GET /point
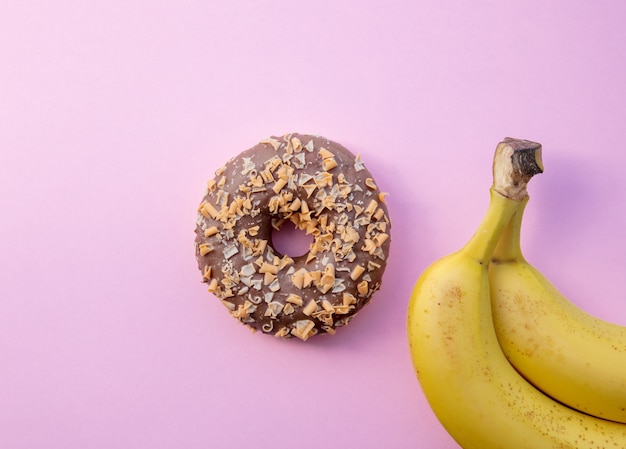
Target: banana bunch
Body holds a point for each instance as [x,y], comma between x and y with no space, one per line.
[467,338]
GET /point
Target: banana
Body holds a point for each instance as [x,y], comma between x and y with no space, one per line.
[567,353]
[477,395]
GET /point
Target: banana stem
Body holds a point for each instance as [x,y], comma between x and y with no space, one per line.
[515,162]
[509,248]
[483,243]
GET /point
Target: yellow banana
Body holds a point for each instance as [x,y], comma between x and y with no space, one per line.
[567,353]
[482,401]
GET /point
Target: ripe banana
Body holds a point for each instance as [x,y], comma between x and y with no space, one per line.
[482,401]
[567,353]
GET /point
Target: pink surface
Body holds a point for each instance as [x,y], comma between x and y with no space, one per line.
[114,114]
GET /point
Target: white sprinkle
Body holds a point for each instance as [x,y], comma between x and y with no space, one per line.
[358,163]
[246,280]
[338,286]
[275,285]
[257,284]
[248,165]
[247,270]
[230,251]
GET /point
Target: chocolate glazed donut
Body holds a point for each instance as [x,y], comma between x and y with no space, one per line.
[324,190]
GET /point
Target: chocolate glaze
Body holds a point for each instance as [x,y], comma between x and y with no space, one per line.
[322,188]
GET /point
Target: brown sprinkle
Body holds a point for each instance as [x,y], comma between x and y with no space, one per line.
[278,186]
[268,268]
[205,248]
[379,214]
[329,164]
[288,309]
[208,210]
[294,299]
[363,288]
[268,278]
[296,144]
[297,278]
[371,207]
[326,154]
[310,308]
[303,329]
[356,273]
[348,299]
[213,285]
[380,238]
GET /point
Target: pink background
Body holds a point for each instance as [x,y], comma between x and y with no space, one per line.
[113,114]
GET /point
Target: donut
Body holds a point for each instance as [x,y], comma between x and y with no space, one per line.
[325,191]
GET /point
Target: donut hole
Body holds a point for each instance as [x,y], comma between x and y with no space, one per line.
[291,241]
